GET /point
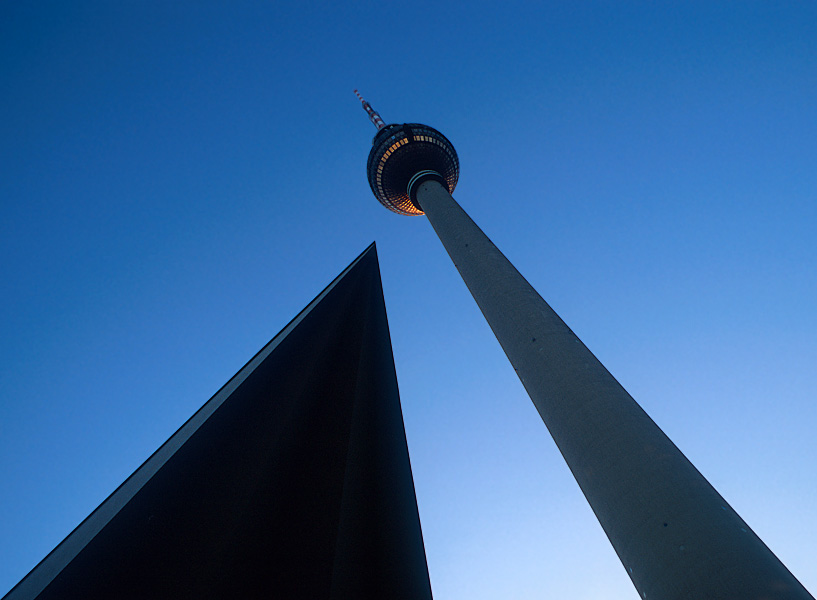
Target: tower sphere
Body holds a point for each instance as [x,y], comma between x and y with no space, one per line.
[402,157]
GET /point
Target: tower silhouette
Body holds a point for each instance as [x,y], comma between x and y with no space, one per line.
[675,535]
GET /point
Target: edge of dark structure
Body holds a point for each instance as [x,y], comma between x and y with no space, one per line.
[376,507]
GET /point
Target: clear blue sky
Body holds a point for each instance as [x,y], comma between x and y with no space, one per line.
[178,179]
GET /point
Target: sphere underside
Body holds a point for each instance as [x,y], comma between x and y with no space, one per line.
[398,153]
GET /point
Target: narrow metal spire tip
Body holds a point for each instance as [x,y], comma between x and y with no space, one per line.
[373,114]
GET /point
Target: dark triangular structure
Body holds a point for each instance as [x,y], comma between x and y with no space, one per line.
[293,481]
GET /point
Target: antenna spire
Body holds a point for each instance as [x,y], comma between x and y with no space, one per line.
[373,114]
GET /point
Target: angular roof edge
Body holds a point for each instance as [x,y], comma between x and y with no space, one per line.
[33,583]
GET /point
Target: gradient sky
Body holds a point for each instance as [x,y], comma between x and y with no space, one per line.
[178,179]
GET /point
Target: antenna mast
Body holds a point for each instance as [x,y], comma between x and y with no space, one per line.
[373,114]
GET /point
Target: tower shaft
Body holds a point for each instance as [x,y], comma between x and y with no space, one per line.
[676,536]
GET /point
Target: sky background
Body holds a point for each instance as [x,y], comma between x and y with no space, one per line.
[179,179]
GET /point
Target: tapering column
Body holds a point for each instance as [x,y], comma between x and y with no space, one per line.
[676,536]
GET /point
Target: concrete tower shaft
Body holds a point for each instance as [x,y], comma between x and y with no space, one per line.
[676,536]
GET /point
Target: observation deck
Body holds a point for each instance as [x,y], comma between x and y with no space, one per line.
[402,157]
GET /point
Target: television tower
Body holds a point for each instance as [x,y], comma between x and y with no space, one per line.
[675,535]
